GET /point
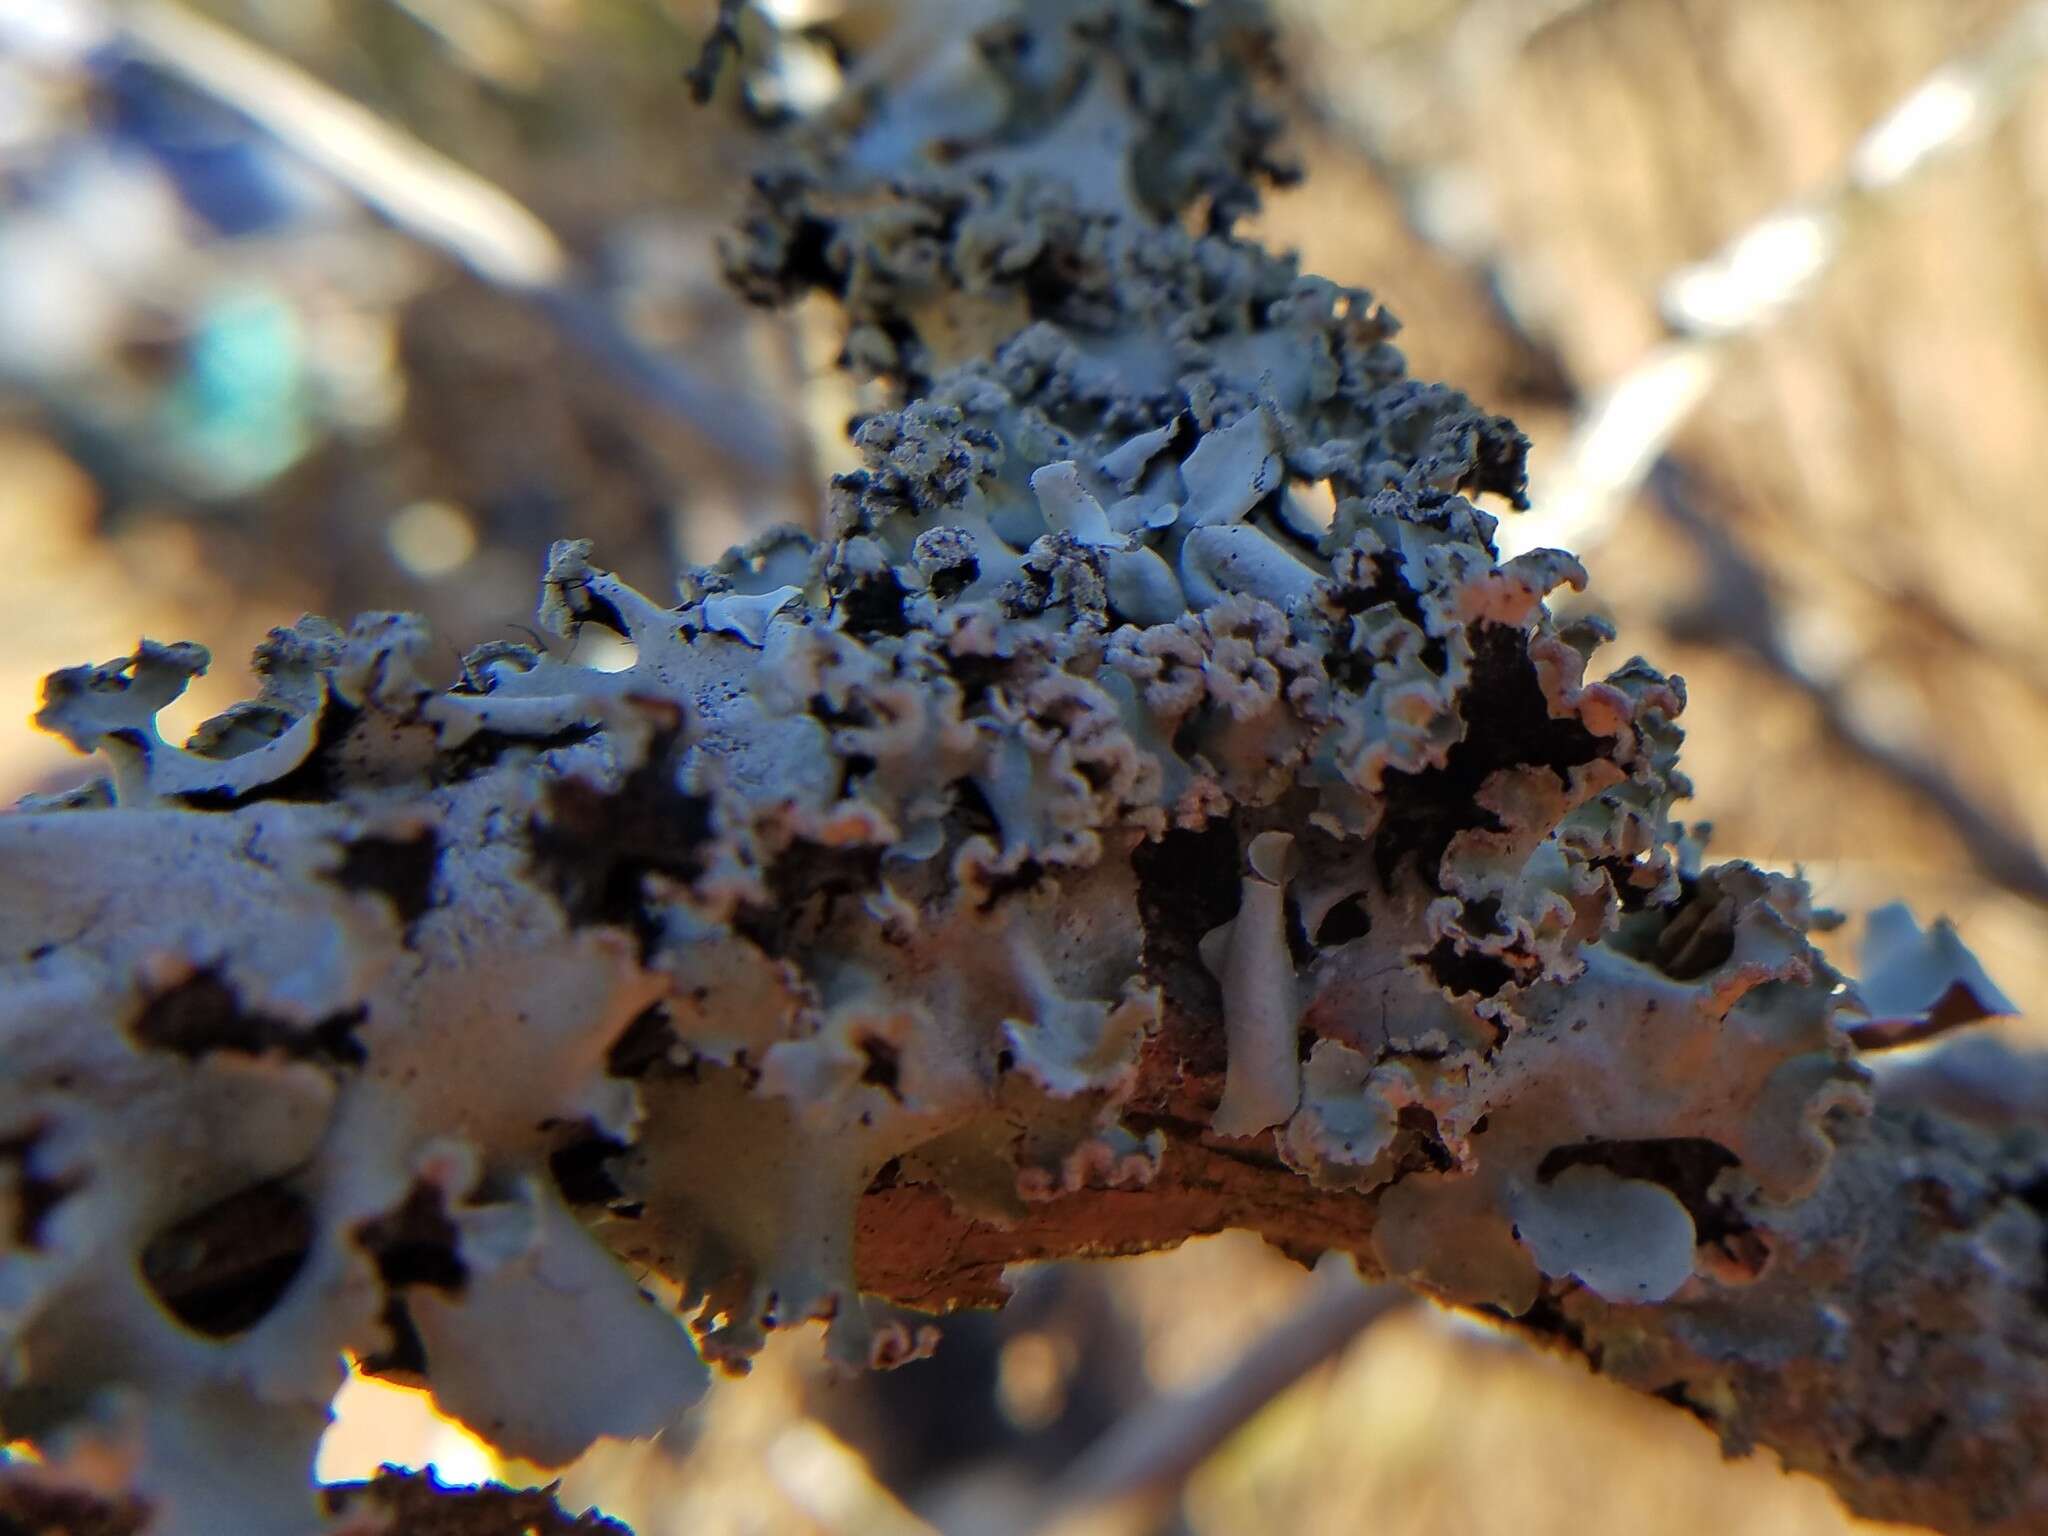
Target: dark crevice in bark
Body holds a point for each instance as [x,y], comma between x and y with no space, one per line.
[594,849]
[204,1014]
[400,869]
[221,1270]
[1515,728]
[35,1194]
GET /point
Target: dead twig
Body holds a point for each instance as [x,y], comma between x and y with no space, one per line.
[1737,611]
[1621,440]
[1760,273]
[1136,1470]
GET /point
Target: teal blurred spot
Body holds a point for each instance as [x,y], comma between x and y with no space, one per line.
[236,417]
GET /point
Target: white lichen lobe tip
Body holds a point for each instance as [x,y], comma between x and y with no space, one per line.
[1249,957]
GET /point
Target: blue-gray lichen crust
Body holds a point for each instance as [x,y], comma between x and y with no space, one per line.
[537,1014]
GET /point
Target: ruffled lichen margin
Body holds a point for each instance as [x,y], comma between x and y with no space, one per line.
[1152,809]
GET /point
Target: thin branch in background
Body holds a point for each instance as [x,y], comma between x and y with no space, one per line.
[1621,439]
[1763,271]
[483,41]
[1736,611]
[1443,203]
[723,43]
[1135,1472]
[833,1487]
[442,204]
[1489,33]
[1753,280]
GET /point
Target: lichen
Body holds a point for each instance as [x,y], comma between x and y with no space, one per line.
[560,1008]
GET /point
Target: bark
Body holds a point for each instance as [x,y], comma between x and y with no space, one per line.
[1896,1345]
[397,1504]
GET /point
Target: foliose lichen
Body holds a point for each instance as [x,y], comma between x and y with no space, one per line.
[530,1018]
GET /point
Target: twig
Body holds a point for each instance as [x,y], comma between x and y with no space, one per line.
[481,40]
[722,43]
[1137,1468]
[1763,271]
[1751,281]
[1738,612]
[1622,435]
[442,204]
[415,1502]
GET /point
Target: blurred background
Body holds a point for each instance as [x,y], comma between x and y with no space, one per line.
[338,304]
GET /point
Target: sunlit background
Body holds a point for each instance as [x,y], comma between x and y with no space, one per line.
[337,304]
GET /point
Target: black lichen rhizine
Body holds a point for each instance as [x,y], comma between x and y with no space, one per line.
[1025,877]
[1436,426]
[319,778]
[1483,916]
[580,1169]
[970,814]
[1679,1395]
[1300,948]
[589,606]
[874,606]
[951,580]
[976,675]
[807,263]
[43,1508]
[1500,453]
[222,1270]
[1548,1320]
[594,848]
[1699,934]
[1051,287]
[1349,919]
[822,710]
[1389,585]
[2034,1193]
[882,1065]
[853,767]
[333,1039]
[800,243]
[1634,895]
[1906,1455]
[203,1014]
[1419,1145]
[483,751]
[404,1360]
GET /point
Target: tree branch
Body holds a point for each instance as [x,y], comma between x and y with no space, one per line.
[1136,1472]
[400,1503]
[1087,846]
[1891,1346]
